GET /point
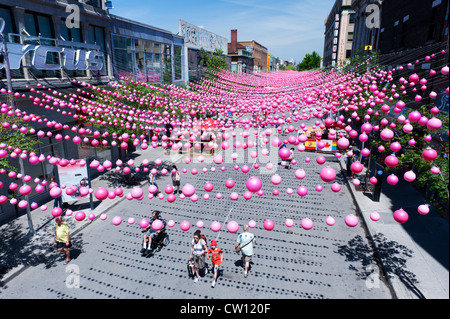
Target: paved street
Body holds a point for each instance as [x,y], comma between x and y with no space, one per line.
[321,263]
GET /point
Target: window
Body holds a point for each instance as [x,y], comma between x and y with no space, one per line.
[97,36]
[6,14]
[433,24]
[350,36]
[403,35]
[177,61]
[122,43]
[40,25]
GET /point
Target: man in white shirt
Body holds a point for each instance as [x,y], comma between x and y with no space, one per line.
[246,240]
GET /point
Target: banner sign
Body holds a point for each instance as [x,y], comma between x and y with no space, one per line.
[197,38]
[82,56]
[330,145]
[73,175]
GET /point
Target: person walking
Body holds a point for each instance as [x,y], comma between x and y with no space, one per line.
[291,157]
[198,251]
[176,177]
[151,180]
[245,242]
[216,259]
[62,238]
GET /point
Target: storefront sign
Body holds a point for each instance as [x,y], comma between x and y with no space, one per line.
[70,59]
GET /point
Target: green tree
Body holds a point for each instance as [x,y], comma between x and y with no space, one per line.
[309,62]
[214,61]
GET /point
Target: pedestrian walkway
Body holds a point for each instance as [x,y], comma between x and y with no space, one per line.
[19,250]
[413,255]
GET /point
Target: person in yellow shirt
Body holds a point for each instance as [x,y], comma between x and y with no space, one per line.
[62,238]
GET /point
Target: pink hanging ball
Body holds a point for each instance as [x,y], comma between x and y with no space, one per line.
[327,174]
[116,220]
[401,216]
[185,225]
[79,216]
[215,226]
[269,224]
[306,223]
[375,216]
[252,224]
[330,221]
[351,220]
[232,226]
[289,222]
[423,209]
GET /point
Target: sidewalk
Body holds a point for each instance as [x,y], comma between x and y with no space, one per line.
[413,255]
[18,251]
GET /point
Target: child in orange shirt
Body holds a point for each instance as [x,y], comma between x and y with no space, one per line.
[216,258]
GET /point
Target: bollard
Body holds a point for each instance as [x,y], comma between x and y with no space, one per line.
[377,188]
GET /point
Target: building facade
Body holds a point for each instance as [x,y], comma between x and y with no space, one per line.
[244,51]
[367,25]
[195,39]
[339,27]
[64,46]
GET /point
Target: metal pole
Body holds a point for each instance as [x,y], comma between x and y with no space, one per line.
[11,100]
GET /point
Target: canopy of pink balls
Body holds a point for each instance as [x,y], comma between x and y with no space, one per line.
[269,99]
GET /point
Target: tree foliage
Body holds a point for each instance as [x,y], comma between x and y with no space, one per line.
[309,62]
[214,61]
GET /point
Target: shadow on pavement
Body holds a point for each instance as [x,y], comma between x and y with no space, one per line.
[392,255]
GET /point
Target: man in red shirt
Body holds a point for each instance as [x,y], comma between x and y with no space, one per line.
[216,258]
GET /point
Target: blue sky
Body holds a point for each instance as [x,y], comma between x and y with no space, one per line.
[288,28]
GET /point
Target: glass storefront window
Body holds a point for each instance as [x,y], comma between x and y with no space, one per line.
[167,69]
[138,45]
[147,46]
[122,43]
[155,47]
[97,36]
[123,63]
[140,67]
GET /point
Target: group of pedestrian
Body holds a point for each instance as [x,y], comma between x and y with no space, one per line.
[199,250]
[174,175]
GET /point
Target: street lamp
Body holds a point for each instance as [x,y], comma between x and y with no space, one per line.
[4,52]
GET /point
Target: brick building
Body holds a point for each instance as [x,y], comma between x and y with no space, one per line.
[251,51]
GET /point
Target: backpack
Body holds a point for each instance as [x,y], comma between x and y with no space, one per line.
[204,238]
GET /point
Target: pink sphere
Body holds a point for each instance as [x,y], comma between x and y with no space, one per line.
[423,209]
[400,216]
[306,223]
[252,224]
[116,220]
[302,191]
[327,174]
[320,160]
[234,196]
[25,189]
[275,179]
[185,225]
[79,216]
[101,193]
[284,153]
[57,211]
[335,187]
[254,184]
[386,134]
[351,220]
[356,167]
[215,226]
[300,173]
[91,216]
[434,124]
[409,176]
[375,216]
[248,195]
[144,223]
[268,224]
[289,222]
[229,183]
[55,192]
[429,154]
[188,190]
[171,198]
[137,192]
[391,160]
[157,224]
[232,226]
[330,221]
[171,223]
[209,186]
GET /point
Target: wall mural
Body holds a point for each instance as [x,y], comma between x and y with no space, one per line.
[197,38]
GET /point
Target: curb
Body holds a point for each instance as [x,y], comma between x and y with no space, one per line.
[375,255]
